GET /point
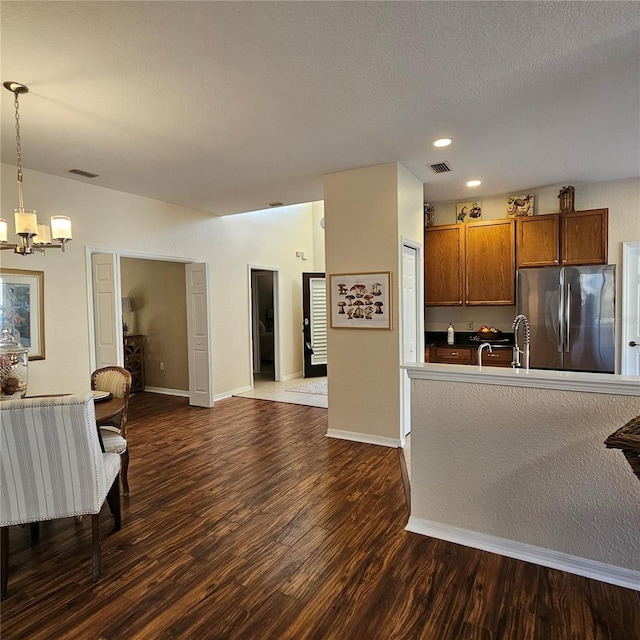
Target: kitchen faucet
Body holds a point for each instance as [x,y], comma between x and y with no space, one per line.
[521,319]
[480,348]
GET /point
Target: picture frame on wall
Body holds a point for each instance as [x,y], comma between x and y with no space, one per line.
[468,212]
[360,300]
[520,206]
[22,308]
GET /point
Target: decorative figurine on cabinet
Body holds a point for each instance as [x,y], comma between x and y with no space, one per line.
[567,199]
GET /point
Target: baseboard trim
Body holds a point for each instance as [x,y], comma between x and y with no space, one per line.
[585,567]
[168,392]
[366,438]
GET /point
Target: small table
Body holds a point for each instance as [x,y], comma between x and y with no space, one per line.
[107,409]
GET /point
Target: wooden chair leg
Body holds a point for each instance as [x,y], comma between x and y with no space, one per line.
[95,539]
[113,500]
[4,563]
[125,471]
[35,532]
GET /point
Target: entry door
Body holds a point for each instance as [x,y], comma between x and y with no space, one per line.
[107,329]
[630,360]
[314,329]
[200,387]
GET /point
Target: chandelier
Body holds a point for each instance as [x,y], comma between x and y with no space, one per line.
[34,235]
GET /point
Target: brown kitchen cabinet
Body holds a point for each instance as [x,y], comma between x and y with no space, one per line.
[499,357]
[490,263]
[562,239]
[452,355]
[134,361]
[444,265]
[470,264]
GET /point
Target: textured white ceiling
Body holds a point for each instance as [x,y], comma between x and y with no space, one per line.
[226,106]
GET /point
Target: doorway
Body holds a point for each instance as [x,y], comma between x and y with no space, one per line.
[173,357]
[630,345]
[412,323]
[314,327]
[264,322]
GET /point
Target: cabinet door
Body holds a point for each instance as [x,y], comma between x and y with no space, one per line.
[490,263]
[585,237]
[443,265]
[538,241]
[499,357]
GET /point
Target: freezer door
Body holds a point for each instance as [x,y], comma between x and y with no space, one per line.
[590,318]
[540,299]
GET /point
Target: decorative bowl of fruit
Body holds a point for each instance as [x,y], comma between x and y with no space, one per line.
[489,333]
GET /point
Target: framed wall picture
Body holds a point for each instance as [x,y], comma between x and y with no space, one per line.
[360,300]
[468,212]
[22,308]
[520,206]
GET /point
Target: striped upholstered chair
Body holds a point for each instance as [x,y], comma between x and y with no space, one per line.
[117,381]
[52,467]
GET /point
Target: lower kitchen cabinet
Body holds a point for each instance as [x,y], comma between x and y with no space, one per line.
[499,357]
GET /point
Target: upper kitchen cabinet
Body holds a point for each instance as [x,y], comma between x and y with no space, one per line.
[585,237]
[443,265]
[470,264]
[571,238]
[490,263]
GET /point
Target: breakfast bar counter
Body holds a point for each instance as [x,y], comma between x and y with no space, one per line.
[514,462]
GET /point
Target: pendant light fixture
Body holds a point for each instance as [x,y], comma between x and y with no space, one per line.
[34,235]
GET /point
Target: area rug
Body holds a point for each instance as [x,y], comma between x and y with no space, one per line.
[316,385]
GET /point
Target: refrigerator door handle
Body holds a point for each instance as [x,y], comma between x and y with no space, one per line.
[560,317]
[568,317]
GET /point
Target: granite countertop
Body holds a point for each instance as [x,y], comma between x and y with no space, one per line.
[464,339]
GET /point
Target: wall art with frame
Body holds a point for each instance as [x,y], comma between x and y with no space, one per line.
[22,308]
[360,300]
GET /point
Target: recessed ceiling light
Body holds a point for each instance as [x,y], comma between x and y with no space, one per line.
[442,142]
[474,183]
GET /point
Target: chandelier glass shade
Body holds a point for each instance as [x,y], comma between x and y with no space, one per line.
[34,235]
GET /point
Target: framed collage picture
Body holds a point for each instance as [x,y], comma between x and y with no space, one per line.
[360,300]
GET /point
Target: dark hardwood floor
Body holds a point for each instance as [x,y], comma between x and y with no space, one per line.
[246,522]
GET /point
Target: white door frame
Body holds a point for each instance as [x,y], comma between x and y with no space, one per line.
[405,383]
[275,271]
[629,325]
[118,287]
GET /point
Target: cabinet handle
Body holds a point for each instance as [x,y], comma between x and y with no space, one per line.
[455,353]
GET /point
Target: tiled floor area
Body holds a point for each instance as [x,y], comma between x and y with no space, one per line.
[265,388]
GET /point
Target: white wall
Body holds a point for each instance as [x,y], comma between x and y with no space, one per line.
[103,218]
[527,465]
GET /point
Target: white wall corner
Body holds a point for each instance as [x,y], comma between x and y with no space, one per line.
[585,567]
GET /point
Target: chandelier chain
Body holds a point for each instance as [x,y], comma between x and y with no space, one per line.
[18,150]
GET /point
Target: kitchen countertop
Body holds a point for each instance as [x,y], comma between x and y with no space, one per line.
[607,383]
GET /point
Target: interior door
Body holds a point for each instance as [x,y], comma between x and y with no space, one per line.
[314,328]
[200,387]
[106,314]
[630,309]
[410,328]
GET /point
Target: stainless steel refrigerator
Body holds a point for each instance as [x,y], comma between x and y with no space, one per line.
[571,312]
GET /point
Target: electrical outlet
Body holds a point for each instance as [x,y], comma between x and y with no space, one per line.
[162,366]
[470,325]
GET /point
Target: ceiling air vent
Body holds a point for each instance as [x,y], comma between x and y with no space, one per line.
[440,167]
[83,173]
[275,204]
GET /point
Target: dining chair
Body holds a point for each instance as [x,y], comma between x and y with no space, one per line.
[117,381]
[52,467]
